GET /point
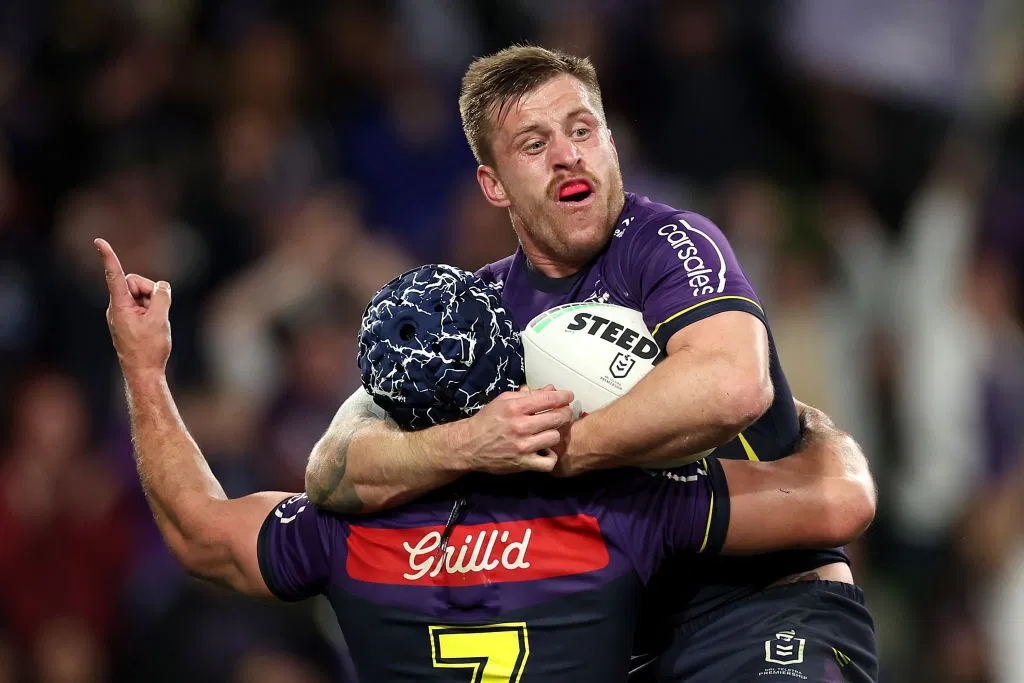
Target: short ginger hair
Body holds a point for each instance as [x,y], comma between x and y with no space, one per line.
[497,82]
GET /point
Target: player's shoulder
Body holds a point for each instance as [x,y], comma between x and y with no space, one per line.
[644,219]
[644,209]
[496,272]
[656,237]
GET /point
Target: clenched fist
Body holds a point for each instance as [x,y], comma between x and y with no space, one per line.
[137,316]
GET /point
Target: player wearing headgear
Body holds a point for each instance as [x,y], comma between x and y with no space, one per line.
[535,122]
[525,578]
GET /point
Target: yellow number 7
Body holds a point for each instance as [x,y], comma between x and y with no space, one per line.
[496,653]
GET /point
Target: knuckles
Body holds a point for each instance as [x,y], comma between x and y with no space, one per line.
[519,427]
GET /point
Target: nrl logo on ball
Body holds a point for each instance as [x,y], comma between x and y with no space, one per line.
[621,365]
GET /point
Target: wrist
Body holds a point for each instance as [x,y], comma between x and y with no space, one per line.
[579,438]
[444,446]
[577,454]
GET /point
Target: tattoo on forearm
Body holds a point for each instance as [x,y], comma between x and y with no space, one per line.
[329,487]
[334,491]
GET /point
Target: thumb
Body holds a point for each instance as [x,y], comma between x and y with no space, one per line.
[537,462]
[161,298]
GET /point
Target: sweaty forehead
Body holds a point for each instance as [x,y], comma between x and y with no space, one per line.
[548,105]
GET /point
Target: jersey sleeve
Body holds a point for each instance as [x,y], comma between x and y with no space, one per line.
[678,510]
[680,268]
[294,549]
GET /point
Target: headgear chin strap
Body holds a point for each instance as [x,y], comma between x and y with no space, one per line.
[436,345]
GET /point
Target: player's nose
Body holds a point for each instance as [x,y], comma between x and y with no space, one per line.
[564,153]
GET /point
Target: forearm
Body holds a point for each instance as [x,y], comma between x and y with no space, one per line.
[365,463]
[686,406]
[211,536]
[821,496]
[827,453]
[370,465]
[176,478]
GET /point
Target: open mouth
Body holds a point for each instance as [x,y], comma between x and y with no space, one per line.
[574,191]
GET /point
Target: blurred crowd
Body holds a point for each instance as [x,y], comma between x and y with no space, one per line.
[278,161]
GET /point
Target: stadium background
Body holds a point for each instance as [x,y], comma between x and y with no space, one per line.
[277,161]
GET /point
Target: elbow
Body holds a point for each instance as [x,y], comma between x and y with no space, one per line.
[201,563]
[746,401]
[850,510]
[197,556]
[316,493]
[317,489]
[327,485]
[199,550]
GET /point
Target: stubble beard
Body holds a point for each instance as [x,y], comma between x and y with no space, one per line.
[553,232]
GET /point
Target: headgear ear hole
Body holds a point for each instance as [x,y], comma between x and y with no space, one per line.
[407,332]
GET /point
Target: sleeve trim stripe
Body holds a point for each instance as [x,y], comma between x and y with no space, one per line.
[711,510]
[748,449]
[703,303]
[263,557]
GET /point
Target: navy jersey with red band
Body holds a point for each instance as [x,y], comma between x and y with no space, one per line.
[677,268]
[540,579]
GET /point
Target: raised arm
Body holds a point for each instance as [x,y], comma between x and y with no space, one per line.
[364,462]
[214,538]
[822,496]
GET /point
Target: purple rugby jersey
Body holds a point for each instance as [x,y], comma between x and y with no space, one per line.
[677,268]
[541,579]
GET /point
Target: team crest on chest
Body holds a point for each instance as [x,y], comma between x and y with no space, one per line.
[599,295]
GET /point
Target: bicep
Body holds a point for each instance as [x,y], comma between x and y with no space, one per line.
[735,335]
[727,358]
[234,539]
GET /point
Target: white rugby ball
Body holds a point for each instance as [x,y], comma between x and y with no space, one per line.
[598,351]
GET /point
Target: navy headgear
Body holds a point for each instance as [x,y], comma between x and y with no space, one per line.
[436,345]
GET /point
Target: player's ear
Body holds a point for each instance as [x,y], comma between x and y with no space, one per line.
[491,186]
[615,150]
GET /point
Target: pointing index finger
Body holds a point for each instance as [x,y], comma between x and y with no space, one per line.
[117,285]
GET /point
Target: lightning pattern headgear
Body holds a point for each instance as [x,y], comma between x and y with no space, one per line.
[436,345]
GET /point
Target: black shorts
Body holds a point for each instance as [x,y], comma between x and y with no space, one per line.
[815,631]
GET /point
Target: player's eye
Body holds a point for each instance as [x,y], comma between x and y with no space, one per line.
[535,146]
[581,133]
